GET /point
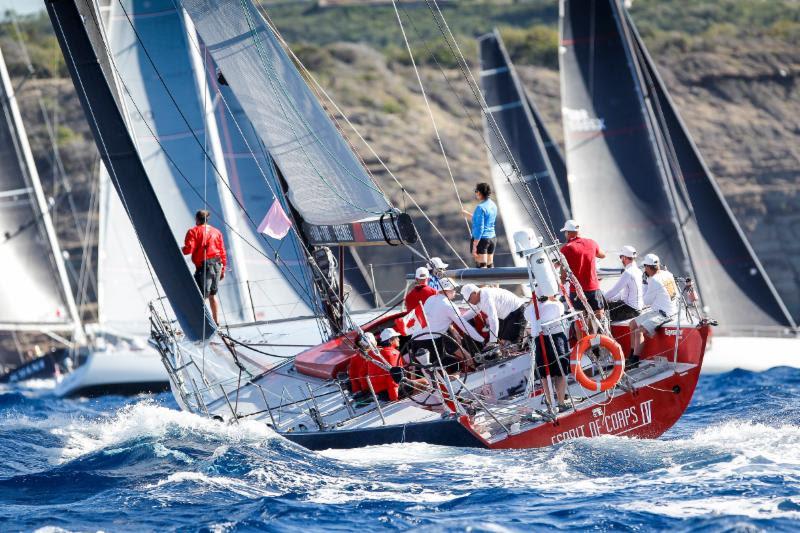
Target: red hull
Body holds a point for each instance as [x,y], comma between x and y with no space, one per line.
[647,412]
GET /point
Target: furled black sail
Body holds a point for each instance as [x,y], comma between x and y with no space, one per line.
[516,147]
[78,32]
[618,188]
[733,285]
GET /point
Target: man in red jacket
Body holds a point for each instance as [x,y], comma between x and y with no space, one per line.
[419,293]
[207,248]
[382,383]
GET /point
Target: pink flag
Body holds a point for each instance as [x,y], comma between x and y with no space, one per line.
[276,224]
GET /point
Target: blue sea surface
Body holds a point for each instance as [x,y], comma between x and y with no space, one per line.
[732,463]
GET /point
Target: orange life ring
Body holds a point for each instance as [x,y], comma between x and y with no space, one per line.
[596,384]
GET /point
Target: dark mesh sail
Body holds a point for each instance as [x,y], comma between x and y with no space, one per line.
[733,285]
[618,189]
[327,183]
[516,147]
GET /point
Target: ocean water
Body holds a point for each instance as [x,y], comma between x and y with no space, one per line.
[731,464]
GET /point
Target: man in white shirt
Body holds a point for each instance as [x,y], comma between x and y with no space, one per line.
[556,346]
[660,295]
[443,317]
[504,311]
[625,297]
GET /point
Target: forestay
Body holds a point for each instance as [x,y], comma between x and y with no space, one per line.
[618,188]
[518,157]
[35,293]
[734,288]
[327,183]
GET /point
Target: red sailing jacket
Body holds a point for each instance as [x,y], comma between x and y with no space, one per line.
[380,378]
[416,298]
[205,242]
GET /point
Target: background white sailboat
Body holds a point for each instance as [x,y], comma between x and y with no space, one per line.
[36,295]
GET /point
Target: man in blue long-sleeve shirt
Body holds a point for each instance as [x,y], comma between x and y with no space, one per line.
[484,217]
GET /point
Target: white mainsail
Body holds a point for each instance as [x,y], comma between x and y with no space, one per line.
[36,294]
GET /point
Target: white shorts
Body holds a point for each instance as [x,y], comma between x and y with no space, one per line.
[650,320]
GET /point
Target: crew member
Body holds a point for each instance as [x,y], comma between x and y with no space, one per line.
[438,336]
[437,269]
[357,371]
[556,346]
[625,297]
[660,295]
[419,294]
[504,311]
[207,248]
[383,385]
[580,253]
[484,237]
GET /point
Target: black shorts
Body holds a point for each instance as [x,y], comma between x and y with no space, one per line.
[621,311]
[557,359]
[207,276]
[595,299]
[485,245]
[513,326]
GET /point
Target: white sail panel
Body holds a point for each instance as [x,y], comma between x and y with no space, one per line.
[327,183]
[35,293]
[166,113]
[125,286]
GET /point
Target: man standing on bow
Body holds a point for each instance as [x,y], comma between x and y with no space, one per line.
[207,248]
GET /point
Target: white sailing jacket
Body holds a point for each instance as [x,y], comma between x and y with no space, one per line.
[661,292]
[628,288]
[497,304]
[440,313]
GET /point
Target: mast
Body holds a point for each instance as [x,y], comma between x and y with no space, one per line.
[30,174]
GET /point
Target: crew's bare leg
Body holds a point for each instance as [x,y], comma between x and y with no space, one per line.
[560,383]
[212,302]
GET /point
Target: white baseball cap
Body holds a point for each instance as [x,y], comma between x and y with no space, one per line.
[628,251]
[570,225]
[422,273]
[651,260]
[388,333]
[447,284]
[468,290]
[436,262]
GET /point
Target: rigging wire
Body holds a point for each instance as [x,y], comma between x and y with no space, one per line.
[340,112]
[430,112]
[447,34]
[346,315]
